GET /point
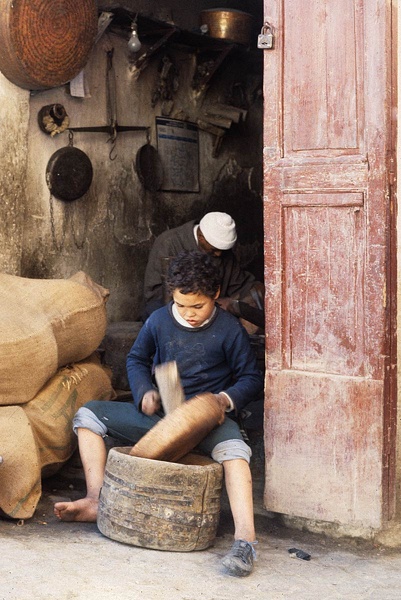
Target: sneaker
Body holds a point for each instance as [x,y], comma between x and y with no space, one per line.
[239,561]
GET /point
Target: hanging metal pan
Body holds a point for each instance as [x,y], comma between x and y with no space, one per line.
[69,173]
[44,43]
[149,168]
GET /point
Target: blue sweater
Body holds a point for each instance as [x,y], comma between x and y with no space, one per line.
[214,358]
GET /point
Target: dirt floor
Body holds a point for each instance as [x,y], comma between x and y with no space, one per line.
[44,559]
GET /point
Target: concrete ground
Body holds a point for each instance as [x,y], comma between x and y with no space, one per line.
[44,559]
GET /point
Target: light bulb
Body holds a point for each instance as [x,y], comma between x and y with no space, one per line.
[134,43]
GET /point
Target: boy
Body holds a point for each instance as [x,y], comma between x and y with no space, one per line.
[213,354]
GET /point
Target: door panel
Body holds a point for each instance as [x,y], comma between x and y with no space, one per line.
[324,448]
[321,76]
[323,305]
[328,281]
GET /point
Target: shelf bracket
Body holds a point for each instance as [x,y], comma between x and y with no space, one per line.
[140,63]
[205,70]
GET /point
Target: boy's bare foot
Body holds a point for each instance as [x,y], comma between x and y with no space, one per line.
[84,510]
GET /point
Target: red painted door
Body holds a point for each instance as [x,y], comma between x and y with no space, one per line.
[329,264]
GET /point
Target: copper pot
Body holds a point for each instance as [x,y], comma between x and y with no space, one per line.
[228,23]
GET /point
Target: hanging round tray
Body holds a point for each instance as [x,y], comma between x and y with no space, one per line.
[69,173]
[45,43]
[149,167]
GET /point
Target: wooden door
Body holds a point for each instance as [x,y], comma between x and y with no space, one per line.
[328,156]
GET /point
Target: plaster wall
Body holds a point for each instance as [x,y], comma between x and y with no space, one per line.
[14,115]
[109,231]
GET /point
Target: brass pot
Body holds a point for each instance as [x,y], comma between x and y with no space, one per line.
[228,24]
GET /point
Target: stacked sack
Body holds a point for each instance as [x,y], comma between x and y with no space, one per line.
[49,332]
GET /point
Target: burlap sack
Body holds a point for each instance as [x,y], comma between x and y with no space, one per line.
[20,485]
[28,350]
[51,412]
[37,439]
[76,308]
[46,324]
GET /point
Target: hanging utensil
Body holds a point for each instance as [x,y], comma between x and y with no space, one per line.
[111,93]
[69,173]
[149,167]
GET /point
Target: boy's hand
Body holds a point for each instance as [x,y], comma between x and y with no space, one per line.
[151,402]
[223,402]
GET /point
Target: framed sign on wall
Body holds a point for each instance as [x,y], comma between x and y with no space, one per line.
[178,146]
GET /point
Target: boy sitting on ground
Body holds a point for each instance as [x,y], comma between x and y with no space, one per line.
[213,354]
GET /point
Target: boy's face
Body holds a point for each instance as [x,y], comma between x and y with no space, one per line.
[194,308]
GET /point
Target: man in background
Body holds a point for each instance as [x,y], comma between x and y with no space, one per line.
[216,235]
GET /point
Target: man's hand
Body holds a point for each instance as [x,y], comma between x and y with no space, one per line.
[151,402]
[229,305]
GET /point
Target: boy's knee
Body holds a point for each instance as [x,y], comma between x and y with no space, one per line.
[231,450]
[86,419]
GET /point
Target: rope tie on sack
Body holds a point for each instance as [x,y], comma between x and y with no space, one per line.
[75,378]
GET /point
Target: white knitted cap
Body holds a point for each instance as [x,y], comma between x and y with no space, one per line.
[219,230]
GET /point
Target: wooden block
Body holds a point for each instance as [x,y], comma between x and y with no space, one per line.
[169,384]
[210,128]
[218,120]
[225,110]
[181,431]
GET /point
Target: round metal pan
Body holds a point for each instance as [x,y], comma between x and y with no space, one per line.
[149,168]
[69,173]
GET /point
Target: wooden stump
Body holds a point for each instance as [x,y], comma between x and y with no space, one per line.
[160,505]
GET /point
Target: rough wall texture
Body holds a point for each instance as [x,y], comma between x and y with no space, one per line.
[109,231]
[14,113]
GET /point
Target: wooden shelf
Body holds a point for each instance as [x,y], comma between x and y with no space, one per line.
[157,35]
